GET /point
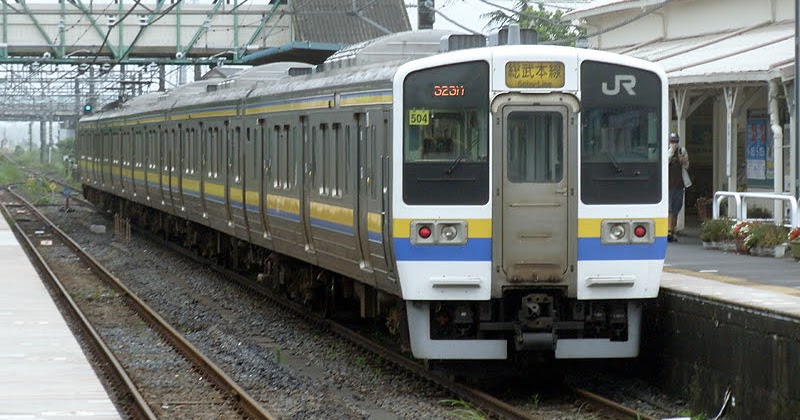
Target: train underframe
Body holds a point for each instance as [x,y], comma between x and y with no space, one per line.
[523,322]
[323,291]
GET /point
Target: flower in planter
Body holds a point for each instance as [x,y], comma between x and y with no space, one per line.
[741,229]
[794,235]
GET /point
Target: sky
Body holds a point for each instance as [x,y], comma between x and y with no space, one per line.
[465,12]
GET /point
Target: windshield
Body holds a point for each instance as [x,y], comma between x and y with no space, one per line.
[620,135]
[446,135]
[450,134]
[620,140]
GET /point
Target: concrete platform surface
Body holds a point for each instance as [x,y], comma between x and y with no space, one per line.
[43,371]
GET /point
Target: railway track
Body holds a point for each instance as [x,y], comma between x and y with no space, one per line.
[154,372]
[486,403]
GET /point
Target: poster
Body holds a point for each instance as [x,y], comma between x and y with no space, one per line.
[758,152]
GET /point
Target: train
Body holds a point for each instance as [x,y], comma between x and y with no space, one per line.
[484,200]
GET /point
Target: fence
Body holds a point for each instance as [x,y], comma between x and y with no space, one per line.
[740,205]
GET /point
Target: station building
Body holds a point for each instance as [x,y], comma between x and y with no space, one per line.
[730,65]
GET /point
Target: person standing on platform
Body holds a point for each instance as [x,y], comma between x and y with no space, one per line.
[679,180]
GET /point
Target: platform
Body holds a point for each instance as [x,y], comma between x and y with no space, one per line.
[724,333]
[688,255]
[44,373]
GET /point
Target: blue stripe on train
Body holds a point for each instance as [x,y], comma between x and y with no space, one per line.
[591,249]
[477,249]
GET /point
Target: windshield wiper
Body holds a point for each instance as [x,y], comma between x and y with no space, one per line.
[461,157]
[613,162]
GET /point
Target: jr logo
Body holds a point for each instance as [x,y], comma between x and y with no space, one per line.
[626,81]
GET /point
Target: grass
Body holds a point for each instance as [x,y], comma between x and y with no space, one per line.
[463,410]
[10,173]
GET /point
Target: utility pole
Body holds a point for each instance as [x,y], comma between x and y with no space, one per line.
[426,14]
[796,117]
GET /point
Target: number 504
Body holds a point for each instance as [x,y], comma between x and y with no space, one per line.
[418,117]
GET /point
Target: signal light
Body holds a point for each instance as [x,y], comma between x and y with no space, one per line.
[639,231]
[424,232]
[87,108]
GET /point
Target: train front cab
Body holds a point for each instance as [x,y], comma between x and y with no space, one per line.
[572,234]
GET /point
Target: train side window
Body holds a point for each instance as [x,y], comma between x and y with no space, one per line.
[291,163]
[279,162]
[373,162]
[348,143]
[337,158]
[192,152]
[202,150]
[136,156]
[263,138]
[252,171]
[188,151]
[236,154]
[321,160]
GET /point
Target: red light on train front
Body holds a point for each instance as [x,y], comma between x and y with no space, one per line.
[640,231]
[424,232]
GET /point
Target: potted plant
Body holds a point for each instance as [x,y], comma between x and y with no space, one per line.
[739,232]
[767,239]
[715,231]
[794,242]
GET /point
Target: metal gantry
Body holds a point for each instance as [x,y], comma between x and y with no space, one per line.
[56,56]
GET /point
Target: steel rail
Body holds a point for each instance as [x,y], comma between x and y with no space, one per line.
[245,402]
[480,399]
[605,402]
[112,365]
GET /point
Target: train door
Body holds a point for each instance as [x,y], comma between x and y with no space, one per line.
[123,153]
[202,139]
[163,165]
[174,166]
[362,210]
[372,129]
[148,161]
[105,158]
[136,157]
[184,163]
[534,214]
[263,149]
[96,155]
[235,190]
[113,170]
[309,171]
[245,156]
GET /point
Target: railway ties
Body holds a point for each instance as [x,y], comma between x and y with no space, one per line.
[153,372]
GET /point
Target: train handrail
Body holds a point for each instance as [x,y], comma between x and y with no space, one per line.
[740,201]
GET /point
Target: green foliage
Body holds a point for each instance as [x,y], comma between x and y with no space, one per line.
[548,25]
[10,173]
[756,212]
[766,235]
[716,230]
[66,147]
[463,410]
[279,358]
[688,413]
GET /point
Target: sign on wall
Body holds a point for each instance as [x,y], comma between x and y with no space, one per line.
[760,165]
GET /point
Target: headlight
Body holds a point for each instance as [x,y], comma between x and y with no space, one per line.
[617,232]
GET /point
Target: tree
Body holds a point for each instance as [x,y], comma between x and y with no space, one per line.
[548,25]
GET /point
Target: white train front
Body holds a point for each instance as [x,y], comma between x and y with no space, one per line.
[507,199]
